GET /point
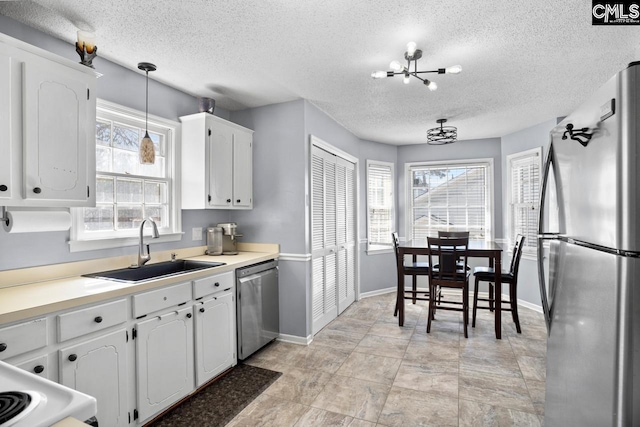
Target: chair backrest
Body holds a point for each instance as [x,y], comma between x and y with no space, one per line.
[517,254]
[396,244]
[453,234]
[445,253]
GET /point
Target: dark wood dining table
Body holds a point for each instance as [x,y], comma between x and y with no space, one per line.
[476,249]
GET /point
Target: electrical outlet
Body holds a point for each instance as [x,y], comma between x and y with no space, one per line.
[196,233]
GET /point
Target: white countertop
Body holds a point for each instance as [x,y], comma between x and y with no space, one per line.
[25,300]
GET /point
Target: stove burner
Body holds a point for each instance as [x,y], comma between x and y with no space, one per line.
[12,403]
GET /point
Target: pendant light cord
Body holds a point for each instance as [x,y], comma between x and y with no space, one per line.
[146,118]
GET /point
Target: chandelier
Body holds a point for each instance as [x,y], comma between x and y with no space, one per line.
[413,55]
[442,135]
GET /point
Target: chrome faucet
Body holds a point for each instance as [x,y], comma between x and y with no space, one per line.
[142,257]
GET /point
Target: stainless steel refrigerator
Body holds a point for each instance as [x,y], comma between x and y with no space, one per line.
[591,288]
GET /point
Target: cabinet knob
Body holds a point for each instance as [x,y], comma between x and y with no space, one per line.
[228,200]
[37,190]
[38,369]
[216,284]
[3,187]
[238,201]
[188,315]
[73,357]
[202,310]
[98,319]
[3,346]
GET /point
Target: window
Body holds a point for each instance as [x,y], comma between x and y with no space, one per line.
[451,196]
[380,215]
[523,186]
[127,191]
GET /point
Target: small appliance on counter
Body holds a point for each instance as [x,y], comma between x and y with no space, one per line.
[229,238]
[214,241]
[27,400]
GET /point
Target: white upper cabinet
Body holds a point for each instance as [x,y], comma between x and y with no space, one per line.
[216,163]
[47,128]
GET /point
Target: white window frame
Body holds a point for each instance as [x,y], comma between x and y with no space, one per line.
[378,249]
[81,241]
[489,208]
[528,251]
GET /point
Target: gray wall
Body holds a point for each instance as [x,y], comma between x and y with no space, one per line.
[461,150]
[125,87]
[526,139]
[279,213]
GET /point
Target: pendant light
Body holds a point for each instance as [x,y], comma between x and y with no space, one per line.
[147,150]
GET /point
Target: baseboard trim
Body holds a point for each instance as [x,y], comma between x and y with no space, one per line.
[294,339]
[377,292]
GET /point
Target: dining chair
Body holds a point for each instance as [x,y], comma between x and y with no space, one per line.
[454,235]
[487,274]
[413,269]
[449,274]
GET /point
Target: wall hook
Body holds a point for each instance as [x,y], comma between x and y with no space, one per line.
[583,136]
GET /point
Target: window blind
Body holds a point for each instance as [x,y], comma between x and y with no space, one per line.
[380,221]
[524,185]
[450,197]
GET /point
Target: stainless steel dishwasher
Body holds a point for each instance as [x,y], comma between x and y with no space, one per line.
[258,312]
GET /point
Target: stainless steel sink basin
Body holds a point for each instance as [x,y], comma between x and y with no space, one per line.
[154,271]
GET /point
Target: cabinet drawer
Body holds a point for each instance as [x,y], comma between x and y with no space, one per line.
[23,337]
[81,322]
[38,366]
[209,285]
[149,302]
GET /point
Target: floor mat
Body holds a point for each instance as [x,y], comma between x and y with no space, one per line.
[222,400]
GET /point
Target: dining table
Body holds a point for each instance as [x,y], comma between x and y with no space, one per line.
[488,249]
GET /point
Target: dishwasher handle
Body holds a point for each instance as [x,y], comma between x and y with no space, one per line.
[246,279]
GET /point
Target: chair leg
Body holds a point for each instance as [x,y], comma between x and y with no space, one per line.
[514,306]
[414,286]
[465,308]
[430,313]
[395,312]
[475,301]
[491,300]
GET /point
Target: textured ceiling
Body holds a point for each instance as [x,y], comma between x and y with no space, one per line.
[523,62]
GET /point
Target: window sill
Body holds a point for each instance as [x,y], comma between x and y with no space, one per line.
[92,245]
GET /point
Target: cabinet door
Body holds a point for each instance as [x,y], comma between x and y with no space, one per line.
[99,368]
[59,128]
[164,347]
[8,92]
[37,366]
[215,336]
[220,166]
[242,169]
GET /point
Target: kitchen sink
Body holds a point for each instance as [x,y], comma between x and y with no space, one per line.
[154,271]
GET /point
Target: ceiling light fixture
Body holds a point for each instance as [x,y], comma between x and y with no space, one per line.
[147,150]
[412,55]
[442,135]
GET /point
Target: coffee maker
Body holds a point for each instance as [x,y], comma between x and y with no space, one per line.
[229,238]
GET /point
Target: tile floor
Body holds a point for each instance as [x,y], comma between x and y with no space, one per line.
[364,370]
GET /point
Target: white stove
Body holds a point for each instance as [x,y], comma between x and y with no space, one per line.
[27,400]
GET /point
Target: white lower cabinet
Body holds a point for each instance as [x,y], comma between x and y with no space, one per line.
[215,335]
[37,366]
[98,367]
[164,348]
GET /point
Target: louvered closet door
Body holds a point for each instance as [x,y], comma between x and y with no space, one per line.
[345,217]
[323,238]
[333,236]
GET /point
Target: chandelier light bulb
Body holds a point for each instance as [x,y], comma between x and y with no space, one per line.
[379,74]
[454,69]
[431,85]
[396,66]
[411,48]
[406,79]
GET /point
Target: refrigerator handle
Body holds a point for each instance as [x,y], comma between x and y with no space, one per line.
[542,236]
